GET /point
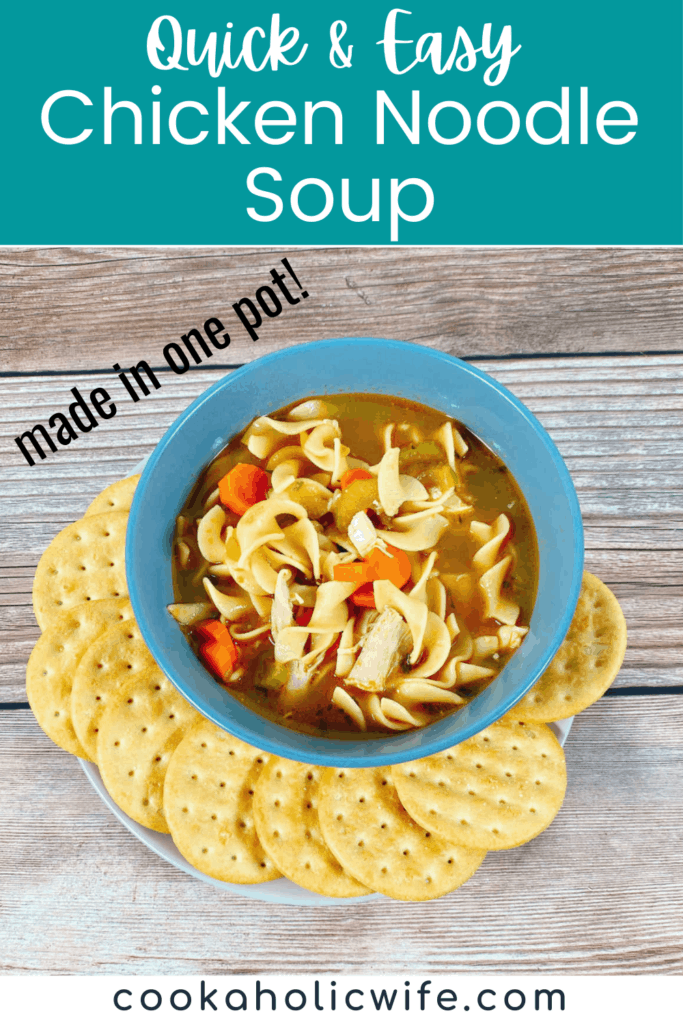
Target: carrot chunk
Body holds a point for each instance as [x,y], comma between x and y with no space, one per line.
[302,616]
[354,474]
[245,485]
[212,629]
[393,565]
[364,597]
[354,572]
[220,657]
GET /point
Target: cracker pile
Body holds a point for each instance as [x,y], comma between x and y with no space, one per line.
[414,831]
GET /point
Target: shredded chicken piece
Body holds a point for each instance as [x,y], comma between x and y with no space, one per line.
[387,644]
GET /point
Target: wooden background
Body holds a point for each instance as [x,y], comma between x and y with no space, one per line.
[590,340]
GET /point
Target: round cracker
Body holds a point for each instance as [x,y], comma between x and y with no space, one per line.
[286,818]
[496,790]
[371,834]
[208,793]
[117,497]
[587,662]
[112,659]
[84,562]
[143,723]
[54,660]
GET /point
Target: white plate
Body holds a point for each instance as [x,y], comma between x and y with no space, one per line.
[280,890]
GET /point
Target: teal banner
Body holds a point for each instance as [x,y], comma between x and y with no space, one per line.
[350,123]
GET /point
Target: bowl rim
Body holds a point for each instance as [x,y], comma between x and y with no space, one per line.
[281,740]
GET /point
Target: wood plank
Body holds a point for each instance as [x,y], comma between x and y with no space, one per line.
[600,892]
[86,308]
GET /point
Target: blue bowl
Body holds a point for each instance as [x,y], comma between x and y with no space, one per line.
[337,366]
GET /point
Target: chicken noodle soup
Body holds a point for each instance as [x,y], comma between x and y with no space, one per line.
[355,564]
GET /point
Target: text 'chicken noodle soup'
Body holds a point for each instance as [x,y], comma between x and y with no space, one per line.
[355,564]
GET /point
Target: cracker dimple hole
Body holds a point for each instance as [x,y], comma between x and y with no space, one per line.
[384,782]
[222,785]
[340,817]
[56,714]
[116,742]
[242,824]
[158,758]
[361,800]
[532,810]
[309,776]
[144,729]
[361,843]
[184,810]
[204,850]
[450,860]
[278,775]
[495,831]
[213,817]
[411,774]
[193,777]
[276,835]
[308,866]
[463,822]
[384,871]
[131,773]
[145,802]
[276,803]
[406,853]
[383,825]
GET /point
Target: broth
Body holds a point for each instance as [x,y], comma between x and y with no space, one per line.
[484,495]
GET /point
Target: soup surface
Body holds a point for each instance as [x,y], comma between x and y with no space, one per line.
[355,565]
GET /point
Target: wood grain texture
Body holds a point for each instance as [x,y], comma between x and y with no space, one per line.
[88,308]
[629,481]
[600,892]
